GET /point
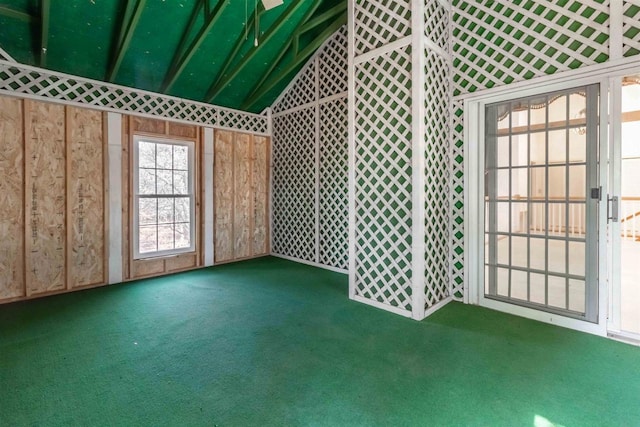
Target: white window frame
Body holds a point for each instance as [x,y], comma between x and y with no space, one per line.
[136,197]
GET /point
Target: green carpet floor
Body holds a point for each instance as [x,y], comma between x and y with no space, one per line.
[271,342]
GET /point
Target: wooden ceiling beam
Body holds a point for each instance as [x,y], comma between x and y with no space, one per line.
[15,14]
[129,23]
[294,41]
[222,81]
[322,18]
[183,56]
[299,59]
[45,15]
[237,45]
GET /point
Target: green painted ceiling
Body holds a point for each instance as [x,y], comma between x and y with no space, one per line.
[194,49]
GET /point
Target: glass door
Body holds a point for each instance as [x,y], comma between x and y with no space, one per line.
[541,195]
[625,208]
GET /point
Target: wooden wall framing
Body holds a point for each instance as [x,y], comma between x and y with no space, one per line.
[52,197]
[241,182]
[148,267]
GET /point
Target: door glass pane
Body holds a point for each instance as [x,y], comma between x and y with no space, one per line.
[630,207]
[537,186]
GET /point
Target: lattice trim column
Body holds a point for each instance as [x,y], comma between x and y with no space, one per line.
[398,159]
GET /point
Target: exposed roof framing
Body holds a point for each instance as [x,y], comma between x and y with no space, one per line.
[45,9]
[184,53]
[271,80]
[128,25]
[202,50]
[15,14]
[220,83]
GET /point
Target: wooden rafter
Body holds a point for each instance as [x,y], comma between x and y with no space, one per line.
[237,46]
[129,23]
[15,14]
[183,55]
[270,80]
[221,82]
[45,9]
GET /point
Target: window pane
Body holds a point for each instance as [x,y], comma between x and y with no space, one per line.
[183,236]
[165,237]
[502,151]
[147,211]
[183,209]
[165,156]
[148,239]
[165,210]
[146,154]
[146,181]
[519,150]
[557,146]
[165,186]
[538,153]
[180,157]
[180,182]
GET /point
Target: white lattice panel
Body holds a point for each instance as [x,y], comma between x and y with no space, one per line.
[497,43]
[380,22]
[302,92]
[437,140]
[436,23]
[631,27]
[457,202]
[332,65]
[334,182]
[383,179]
[44,84]
[294,185]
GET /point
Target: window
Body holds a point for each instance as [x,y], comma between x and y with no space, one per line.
[163,182]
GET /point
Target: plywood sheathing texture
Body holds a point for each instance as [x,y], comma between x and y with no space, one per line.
[242,221]
[223,195]
[241,208]
[11,199]
[138,268]
[52,192]
[86,210]
[45,197]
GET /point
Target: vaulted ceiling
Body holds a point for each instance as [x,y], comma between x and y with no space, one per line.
[203,50]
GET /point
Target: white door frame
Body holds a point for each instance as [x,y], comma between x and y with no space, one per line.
[474,209]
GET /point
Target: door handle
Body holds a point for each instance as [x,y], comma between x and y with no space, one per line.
[612,208]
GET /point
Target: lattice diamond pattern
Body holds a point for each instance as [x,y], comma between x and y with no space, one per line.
[457,202]
[631,27]
[332,65]
[383,178]
[294,185]
[437,139]
[302,92]
[436,23]
[334,183]
[379,22]
[497,43]
[49,85]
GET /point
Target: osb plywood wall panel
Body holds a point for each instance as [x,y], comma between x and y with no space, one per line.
[260,185]
[85,198]
[181,262]
[45,197]
[183,131]
[143,125]
[241,182]
[243,196]
[126,201]
[223,195]
[11,199]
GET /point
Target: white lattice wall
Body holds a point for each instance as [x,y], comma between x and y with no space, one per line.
[310,176]
[400,136]
[499,43]
[30,82]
